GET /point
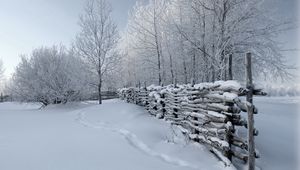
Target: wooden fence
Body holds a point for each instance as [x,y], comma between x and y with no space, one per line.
[105,95]
[207,113]
[4,98]
[109,95]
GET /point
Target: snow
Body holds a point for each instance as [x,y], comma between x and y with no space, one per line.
[155,95]
[153,87]
[118,135]
[77,136]
[222,143]
[230,96]
[216,114]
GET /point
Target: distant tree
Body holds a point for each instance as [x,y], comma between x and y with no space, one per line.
[1,70]
[2,79]
[97,41]
[50,76]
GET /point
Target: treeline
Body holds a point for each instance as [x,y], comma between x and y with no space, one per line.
[165,42]
[191,41]
[283,90]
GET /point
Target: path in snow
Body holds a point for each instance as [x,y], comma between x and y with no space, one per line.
[134,141]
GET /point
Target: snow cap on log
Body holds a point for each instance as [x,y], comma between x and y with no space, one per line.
[230,85]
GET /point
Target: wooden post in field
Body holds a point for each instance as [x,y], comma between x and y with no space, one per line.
[230,77]
[250,109]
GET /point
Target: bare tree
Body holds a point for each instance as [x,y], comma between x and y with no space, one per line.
[197,37]
[97,41]
[146,22]
[233,27]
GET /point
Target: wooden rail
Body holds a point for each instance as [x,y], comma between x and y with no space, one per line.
[109,95]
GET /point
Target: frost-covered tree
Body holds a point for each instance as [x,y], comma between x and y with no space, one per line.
[234,27]
[96,43]
[1,76]
[50,76]
[191,40]
[1,70]
[145,25]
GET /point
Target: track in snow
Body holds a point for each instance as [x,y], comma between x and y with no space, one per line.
[134,141]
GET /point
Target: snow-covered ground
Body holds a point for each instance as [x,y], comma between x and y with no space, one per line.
[86,136]
[118,135]
[277,122]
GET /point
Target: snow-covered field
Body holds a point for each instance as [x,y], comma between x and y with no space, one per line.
[86,136]
[278,124]
[122,136]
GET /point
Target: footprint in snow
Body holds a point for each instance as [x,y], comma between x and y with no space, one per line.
[135,142]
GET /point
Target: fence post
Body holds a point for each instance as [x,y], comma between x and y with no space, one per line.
[250,108]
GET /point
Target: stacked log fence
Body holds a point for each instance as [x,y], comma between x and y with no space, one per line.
[207,113]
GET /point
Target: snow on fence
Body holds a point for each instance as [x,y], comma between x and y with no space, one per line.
[207,113]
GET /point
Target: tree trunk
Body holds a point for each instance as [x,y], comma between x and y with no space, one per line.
[225,68]
[212,67]
[185,72]
[99,91]
[194,68]
[171,69]
[171,61]
[182,52]
[213,73]
[230,76]
[222,60]
[99,83]
[157,47]
[159,67]
[193,58]
[206,76]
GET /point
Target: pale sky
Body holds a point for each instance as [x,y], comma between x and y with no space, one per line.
[28,24]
